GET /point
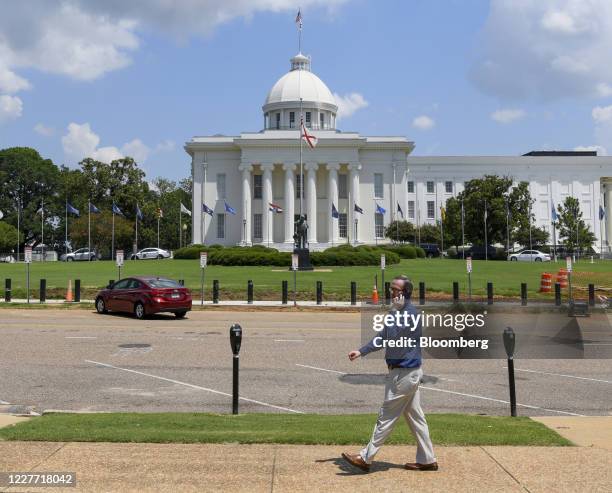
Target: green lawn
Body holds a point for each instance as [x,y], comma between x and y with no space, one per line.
[445,429]
[438,274]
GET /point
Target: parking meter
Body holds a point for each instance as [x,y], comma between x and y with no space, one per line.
[509,341]
[235,338]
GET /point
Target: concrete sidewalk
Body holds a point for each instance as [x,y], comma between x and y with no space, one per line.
[233,467]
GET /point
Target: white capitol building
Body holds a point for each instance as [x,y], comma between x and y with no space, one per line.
[252,170]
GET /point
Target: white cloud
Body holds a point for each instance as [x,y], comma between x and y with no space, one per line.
[423,122]
[42,129]
[507,115]
[82,142]
[601,151]
[602,114]
[165,146]
[349,104]
[545,49]
[10,108]
[11,83]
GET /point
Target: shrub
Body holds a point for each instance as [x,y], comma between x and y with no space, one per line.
[420,252]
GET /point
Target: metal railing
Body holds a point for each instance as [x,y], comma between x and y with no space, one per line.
[311,126]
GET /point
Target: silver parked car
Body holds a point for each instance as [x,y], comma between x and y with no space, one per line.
[150,253]
[529,256]
[80,254]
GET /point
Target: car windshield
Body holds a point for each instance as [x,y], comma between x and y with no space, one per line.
[163,283]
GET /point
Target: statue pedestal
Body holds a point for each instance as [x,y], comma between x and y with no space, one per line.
[303,258]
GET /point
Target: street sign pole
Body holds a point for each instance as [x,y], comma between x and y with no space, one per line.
[294,267]
[119,260]
[568,261]
[382,276]
[28,261]
[203,264]
[468,264]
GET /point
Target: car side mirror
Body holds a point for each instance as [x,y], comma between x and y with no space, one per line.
[109,286]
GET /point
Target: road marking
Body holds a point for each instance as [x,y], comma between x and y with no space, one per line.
[597,344]
[80,337]
[4,403]
[562,375]
[288,340]
[193,386]
[461,393]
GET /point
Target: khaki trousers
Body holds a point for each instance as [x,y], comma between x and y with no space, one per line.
[401,397]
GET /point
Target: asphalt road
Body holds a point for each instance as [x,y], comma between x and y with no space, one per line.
[290,362]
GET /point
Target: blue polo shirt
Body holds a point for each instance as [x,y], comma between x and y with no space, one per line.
[405,357]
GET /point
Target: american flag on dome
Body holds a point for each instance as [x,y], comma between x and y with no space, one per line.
[275,207]
[298,19]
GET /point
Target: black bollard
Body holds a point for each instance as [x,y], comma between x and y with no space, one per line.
[77,290]
[319,292]
[353,293]
[591,294]
[421,293]
[235,342]
[42,295]
[387,293]
[558,294]
[489,293]
[182,282]
[524,294]
[509,343]
[215,291]
[455,292]
[285,289]
[7,290]
[250,292]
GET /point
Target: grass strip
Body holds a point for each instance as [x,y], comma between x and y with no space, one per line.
[306,429]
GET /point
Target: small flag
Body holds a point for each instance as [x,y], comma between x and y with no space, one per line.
[311,140]
[443,213]
[184,210]
[160,213]
[400,211]
[139,213]
[602,213]
[93,208]
[335,212]
[1,214]
[358,209]
[275,207]
[207,210]
[229,209]
[298,19]
[554,215]
[116,210]
[40,210]
[379,209]
[72,210]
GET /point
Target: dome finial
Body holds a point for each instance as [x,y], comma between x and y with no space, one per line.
[300,62]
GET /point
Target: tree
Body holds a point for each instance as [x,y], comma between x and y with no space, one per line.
[539,237]
[402,231]
[574,232]
[8,237]
[452,222]
[430,233]
[102,232]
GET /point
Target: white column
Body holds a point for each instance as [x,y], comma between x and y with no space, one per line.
[196,177]
[267,225]
[289,201]
[608,218]
[311,202]
[332,194]
[354,169]
[245,231]
[202,200]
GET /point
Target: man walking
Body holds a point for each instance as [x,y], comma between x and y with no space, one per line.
[402,382]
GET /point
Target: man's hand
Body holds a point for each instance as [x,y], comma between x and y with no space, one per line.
[353,355]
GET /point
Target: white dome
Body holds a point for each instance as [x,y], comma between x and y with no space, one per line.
[300,84]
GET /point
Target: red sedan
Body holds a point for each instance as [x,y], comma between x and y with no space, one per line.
[144,296]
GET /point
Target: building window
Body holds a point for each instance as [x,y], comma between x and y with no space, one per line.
[257,226]
[221,186]
[378,186]
[277,121]
[342,225]
[430,187]
[292,119]
[220,225]
[257,186]
[379,222]
[411,209]
[308,119]
[431,209]
[448,186]
[343,186]
[299,179]
[410,187]
[321,121]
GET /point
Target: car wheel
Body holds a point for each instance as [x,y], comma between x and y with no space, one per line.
[180,314]
[538,259]
[101,306]
[159,257]
[513,259]
[69,259]
[139,311]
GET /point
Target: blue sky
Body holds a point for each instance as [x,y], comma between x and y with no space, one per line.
[111,78]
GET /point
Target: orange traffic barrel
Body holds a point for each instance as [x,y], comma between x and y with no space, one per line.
[375,296]
[546,283]
[562,277]
[69,296]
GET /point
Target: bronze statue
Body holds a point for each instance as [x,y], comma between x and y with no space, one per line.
[301,233]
